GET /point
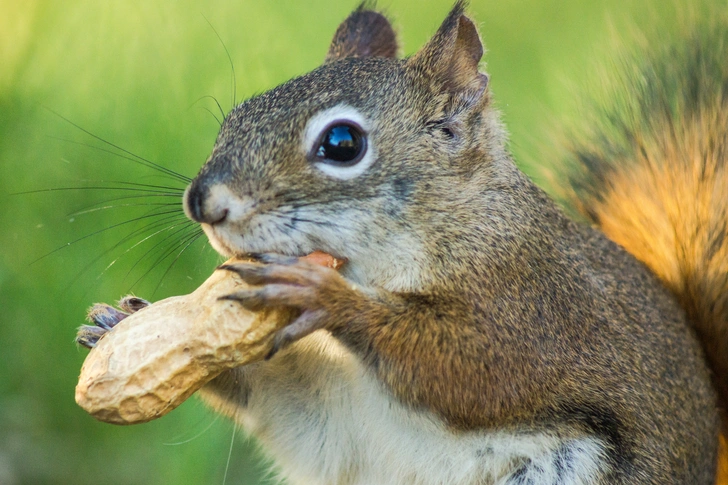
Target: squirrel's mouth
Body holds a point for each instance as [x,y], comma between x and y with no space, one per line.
[222,244]
[217,242]
[239,227]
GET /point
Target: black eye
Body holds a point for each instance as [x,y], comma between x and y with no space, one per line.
[342,144]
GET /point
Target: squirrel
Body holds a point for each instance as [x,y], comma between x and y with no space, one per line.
[477,334]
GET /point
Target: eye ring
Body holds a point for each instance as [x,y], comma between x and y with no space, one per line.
[342,143]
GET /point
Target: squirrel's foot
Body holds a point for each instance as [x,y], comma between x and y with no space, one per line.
[105,317]
[320,293]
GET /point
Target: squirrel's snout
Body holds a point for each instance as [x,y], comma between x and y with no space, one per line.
[203,205]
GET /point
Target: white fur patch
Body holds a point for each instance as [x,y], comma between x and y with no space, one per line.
[325,420]
[319,122]
[239,211]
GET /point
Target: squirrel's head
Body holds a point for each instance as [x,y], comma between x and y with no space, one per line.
[349,158]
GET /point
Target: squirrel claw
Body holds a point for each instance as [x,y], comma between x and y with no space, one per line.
[274,258]
[89,335]
[250,273]
[249,299]
[273,295]
[308,322]
[105,317]
[301,274]
[132,304]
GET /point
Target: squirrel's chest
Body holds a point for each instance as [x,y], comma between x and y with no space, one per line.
[325,420]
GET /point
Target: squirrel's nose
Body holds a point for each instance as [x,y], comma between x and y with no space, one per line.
[201,207]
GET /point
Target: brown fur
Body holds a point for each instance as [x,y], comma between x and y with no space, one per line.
[672,217]
[654,178]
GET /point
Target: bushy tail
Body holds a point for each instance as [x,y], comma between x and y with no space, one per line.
[652,172]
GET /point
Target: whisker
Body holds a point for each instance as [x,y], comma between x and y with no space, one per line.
[295,218]
[181,190]
[159,243]
[207,428]
[129,236]
[297,201]
[128,189]
[290,226]
[214,99]
[128,197]
[191,240]
[168,228]
[320,223]
[89,210]
[165,220]
[166,251]
[141,162]
[219,107]
[101,231]
[149,163]
[213,115]
[230,59]
[230,454]
[297,204]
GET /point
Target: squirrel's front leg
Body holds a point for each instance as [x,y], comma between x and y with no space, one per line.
[424,348]
[325,299]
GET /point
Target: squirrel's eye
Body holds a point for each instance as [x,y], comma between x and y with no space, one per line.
[342,144]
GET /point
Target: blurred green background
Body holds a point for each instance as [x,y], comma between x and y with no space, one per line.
[141,74]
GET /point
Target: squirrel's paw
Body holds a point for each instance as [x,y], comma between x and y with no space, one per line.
[319,292]
[105,317]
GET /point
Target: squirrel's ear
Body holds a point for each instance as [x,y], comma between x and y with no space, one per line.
[451,57]
[365,33]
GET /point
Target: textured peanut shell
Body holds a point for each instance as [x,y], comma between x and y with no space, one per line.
[157,357]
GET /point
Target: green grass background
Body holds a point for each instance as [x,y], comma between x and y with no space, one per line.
[136,72]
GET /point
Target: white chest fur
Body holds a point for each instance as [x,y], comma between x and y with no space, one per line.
[325,420]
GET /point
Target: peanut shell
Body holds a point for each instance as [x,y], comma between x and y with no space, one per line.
[157,357]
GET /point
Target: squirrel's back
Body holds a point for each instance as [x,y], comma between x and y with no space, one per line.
[651,172]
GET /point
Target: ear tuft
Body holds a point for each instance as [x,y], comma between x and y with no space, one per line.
[452,56]
[364,33]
